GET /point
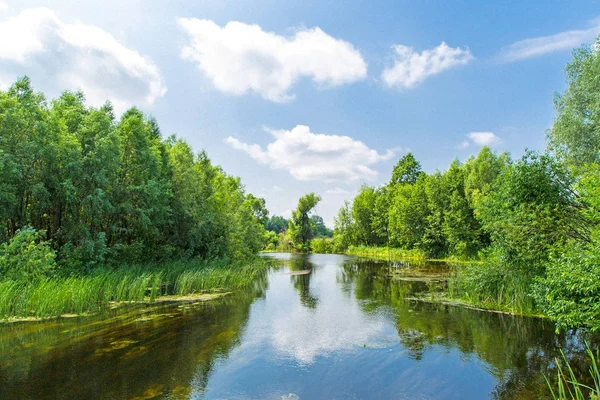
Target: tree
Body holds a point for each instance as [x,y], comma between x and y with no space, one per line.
[276,224]
[531,209]
[407,215]
[406,171]
[460,227]
[343,231]
[320,230]
[98,191]
[363,214]
[300,224]
[575,135]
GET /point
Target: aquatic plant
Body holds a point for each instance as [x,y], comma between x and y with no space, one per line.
[79,294]
[568,387]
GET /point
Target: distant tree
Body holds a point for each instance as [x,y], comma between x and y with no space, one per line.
[300,227]
[319,227]
[276,224]
[343,231]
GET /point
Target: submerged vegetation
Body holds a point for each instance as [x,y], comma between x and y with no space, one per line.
[531,224]
[89,205]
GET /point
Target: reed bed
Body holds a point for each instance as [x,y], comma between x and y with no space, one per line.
[93,292]
[386,253]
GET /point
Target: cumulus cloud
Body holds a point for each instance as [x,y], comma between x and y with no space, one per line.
[480,139]
[412,68]
[238,58]
[59,55]
[315,156]
[538,46]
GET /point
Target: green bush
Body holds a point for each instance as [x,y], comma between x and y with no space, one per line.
[322,246]
[27,256]
[570,291]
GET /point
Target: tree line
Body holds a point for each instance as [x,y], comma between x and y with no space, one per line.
[80,188]
[534,222]
[298,232]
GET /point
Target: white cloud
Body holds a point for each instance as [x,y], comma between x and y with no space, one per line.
[59,55]
[411,68]
[541,45]
[315,156]
[238,58]
[480,139]
[3,6]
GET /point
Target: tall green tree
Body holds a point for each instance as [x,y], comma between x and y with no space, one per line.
[300,226]
[575,134]
[343,231]
[406,170]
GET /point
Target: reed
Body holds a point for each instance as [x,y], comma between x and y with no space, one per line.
[57,295]
[484,285]
[568,387]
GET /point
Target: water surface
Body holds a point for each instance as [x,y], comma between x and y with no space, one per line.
[344,331]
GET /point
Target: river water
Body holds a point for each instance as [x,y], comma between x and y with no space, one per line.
[344,331]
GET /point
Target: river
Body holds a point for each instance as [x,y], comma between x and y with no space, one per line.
[343,331]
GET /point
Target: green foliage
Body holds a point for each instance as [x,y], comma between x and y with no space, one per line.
[532,209]
[107,191]
[322,246]
[433,213]
[386,253]
[570,291]
[319,228]
[53,296]
[407,216]
[343,232]
[575,135]
[406,171]
[494,284]
[276,224]
[368,228]
[26,257]
[300,228]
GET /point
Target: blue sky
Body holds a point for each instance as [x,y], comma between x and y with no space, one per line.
[308,77]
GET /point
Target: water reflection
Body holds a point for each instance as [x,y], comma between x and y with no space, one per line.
[137,352]
[346,330]
[302,282]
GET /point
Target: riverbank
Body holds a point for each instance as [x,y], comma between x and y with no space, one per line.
[459,291]
[104,287]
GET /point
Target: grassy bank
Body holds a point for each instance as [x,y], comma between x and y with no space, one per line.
[477,284]
[386,253]
[49,297]
[486,286]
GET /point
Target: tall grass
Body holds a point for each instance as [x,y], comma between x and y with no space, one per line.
[569,388]
[386,253]
[90,293]
[487,285]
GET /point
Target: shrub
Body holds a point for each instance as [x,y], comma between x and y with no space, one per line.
[322,246]
[27,256]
